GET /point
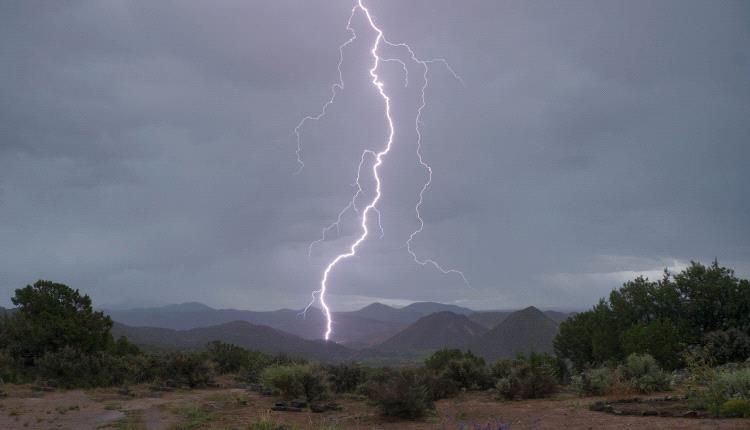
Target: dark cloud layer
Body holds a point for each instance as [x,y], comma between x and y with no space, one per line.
[147,155]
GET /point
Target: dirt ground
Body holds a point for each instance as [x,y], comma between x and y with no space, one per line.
[228,408]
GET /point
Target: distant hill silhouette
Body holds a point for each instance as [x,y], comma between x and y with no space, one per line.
[521,332]
[437,330]
[350,327]
[426,308]
[380,312]
[187,307]
[407,314]
[241,333]
[365,328]
[490,319]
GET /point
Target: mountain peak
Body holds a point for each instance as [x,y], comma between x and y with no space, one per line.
[426,308]
[521,332]
[376,306]
[187,307]
[437,330]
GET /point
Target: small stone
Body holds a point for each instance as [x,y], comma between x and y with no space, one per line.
[299,403]
[317,408]
[333,406]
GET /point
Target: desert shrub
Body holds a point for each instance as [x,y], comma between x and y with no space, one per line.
[268,425]
[644,373]
[345,377]
[227,358]
[526,377]
[297,380]
[453,370]
[68,368]
[122,347]
[402,393]
[735,408]
[247,364]
[182,369]
[257,362]
[439,359]
[71,368]
[8,367]
[725,346]
[501,369]
[593,382]
[287,379]
[315,383]
[729,384]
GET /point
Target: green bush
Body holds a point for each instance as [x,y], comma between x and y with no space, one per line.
[182,369]
[227,358]
[286,379]
[8,367]
[593,382]
[345,377]
[730,384]
[268,425]
[644,374]
[725,346]
[297,380]
[402,393]
[315,383]
[526,377]
[659,338]
[453,370]
[439,359]
[735,408]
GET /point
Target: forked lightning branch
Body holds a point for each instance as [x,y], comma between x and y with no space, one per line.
[371,159]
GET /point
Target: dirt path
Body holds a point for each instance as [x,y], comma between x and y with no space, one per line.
[236,408]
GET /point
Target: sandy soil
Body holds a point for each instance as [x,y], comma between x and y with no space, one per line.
[227,408]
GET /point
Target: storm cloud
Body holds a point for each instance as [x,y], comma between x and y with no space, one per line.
[147,152]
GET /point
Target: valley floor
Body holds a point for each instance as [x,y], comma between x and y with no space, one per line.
[236,408]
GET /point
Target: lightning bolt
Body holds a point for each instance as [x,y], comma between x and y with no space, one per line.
[377,158]
[336,87]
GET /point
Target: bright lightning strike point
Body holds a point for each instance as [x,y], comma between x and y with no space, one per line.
[378,157]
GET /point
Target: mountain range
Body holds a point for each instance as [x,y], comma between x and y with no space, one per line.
[240,333]
[363,328]
[376,330]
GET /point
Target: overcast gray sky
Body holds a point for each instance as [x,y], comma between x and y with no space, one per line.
[147,152]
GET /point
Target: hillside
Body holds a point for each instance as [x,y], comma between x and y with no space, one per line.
[426,308]
[557,316]
[490,319]
[380,312]
[521,332]
[241,333]
[350,328]
[407,314]
[438,330]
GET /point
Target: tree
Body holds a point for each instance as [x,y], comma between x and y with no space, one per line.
[661,317]
[52,316]
[659,338]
